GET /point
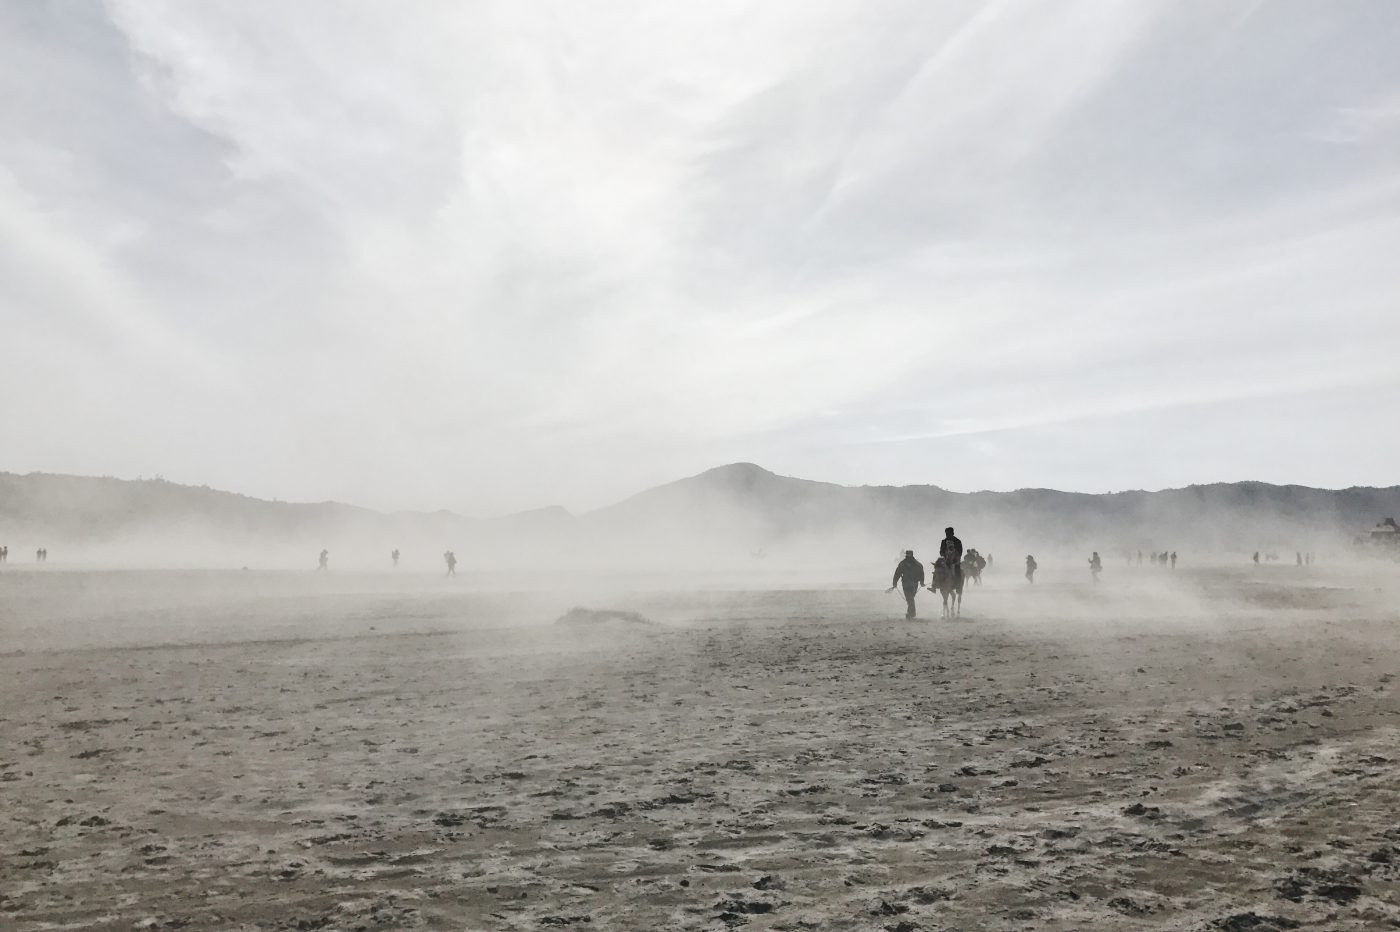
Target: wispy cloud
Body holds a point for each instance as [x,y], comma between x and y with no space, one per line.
[495,255]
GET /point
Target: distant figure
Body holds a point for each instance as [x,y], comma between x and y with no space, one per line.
[451,559]
[1139,558]
[4,554]
[1030,569]
[989,561]
[972,566]
[395,556]
[1300,558]
[1256,558]
[1173,559]
[1095,567]
[909,574]
[947,582]
[951,550]
[325,560]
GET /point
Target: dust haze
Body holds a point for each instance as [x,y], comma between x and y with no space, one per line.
[698,709]
[457,463]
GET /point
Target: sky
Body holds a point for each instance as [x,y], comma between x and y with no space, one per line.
[496,256]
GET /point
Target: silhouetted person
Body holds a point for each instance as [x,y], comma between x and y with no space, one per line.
[394,555]
[1300,558]
[909,575]
[1256,558]
[1030,569]
[973,565]
[1139,558]
[325,560]
[1173,559]
[989,561]
[951,550]
[1095,567]
[451,559]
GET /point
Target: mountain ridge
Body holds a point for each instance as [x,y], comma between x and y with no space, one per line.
[736,508]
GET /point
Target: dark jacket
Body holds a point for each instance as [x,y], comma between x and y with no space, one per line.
[911,571]
[951,549]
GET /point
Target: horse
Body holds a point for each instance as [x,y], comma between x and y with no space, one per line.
[947,583]
[972,566]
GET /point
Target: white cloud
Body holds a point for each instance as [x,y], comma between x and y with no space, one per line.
[493,255]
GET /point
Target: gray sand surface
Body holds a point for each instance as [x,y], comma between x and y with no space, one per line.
[1215,749]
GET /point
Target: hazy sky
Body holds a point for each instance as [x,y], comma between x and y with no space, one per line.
[491,256]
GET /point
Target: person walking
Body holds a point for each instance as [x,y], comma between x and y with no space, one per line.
[910,575]
[1030,569]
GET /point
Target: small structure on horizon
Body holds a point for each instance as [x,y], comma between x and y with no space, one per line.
[1386,534]
[1384,538]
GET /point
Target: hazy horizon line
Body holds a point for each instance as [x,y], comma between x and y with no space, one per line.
[556,507]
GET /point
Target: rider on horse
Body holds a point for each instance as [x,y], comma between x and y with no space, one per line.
[951,550]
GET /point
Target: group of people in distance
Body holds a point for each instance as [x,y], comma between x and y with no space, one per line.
[40,556]
[949,572]
[1304,559]
[1096,564]
[450,558]
[953,566]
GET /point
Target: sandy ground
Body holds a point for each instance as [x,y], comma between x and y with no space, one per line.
[1215,749]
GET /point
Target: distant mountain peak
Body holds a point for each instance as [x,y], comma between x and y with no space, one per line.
[737,477]
[737,470]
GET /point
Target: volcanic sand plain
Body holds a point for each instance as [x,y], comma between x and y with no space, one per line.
[1209,749]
